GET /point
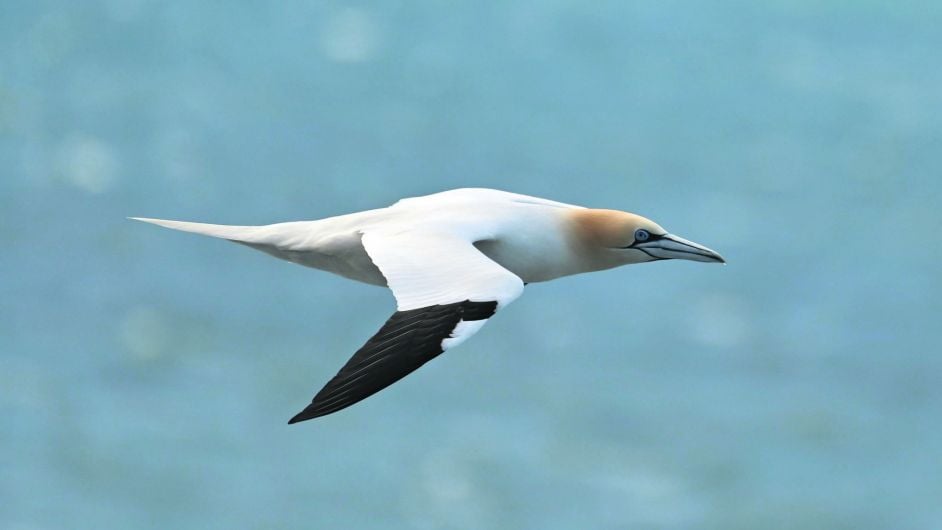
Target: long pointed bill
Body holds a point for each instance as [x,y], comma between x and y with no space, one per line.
[670,246]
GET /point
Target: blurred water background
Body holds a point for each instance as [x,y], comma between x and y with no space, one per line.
[146,376]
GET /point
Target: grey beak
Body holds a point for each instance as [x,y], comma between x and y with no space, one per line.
[670,246]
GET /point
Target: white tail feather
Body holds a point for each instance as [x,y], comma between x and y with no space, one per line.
[309,243]
[235,233]
[296,235]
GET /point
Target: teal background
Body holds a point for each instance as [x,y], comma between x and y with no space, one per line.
[146,376]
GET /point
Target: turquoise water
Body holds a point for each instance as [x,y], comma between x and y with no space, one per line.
[146,377]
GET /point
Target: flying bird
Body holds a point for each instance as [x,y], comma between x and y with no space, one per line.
[452,260]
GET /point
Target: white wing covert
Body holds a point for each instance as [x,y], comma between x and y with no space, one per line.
[445,290]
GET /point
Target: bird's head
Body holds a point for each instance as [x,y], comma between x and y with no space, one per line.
[620,238]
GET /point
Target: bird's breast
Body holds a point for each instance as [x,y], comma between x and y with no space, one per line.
[533,255]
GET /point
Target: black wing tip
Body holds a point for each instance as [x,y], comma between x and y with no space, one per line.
[307,414]
[399,335]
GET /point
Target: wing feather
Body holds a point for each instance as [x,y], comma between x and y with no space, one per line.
[408,340]
[439,282]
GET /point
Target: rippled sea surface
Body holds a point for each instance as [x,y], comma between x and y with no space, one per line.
[146,376]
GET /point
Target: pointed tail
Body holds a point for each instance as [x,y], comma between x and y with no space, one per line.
[241,234]
[282,240]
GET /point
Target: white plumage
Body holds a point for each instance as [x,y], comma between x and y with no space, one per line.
[451,260]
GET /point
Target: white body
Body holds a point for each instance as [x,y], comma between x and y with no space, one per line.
[451,259]
[525,235]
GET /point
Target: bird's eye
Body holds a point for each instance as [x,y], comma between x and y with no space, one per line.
[641,235]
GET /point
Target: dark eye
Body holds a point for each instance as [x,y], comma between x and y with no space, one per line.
[641,235]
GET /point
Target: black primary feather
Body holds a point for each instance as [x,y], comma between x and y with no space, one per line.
[406,341]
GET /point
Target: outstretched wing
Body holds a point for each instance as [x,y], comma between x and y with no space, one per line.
[445,290]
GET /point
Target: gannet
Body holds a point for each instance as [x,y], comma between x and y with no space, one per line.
[452,260]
